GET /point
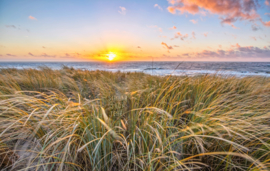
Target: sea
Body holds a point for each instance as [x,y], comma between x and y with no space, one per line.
[239,69]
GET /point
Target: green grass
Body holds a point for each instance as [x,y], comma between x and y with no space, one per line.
[96,120]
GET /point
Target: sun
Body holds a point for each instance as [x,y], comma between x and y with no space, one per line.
[111,56]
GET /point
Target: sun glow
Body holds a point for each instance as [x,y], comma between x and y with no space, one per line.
[111,56]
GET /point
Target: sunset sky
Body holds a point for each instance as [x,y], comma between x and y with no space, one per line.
[135,30]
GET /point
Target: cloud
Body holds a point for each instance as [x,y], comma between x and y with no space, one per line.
[254,38]
[71,55]
[47,56]
[122,10]
[172,28]
[236,51]
[8,54]
[11,26]
[193,35]
[155,26]
[177,34]
[266,13]
[175,46]
[30,54]
[43,47]
[267,23]
[156,5]
[205,34]
[233,26]
[194,21]
[234,36]
[139,47]
[68,56]
[182,37]
[229,11]
[236,45]
[32,18]
[165,45]
[267,2]
[255,28]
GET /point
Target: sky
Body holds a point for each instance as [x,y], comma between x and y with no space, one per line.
[135,30]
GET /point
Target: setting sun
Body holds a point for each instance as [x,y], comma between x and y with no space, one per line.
[111,56]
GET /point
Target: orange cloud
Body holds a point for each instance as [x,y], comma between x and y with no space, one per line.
[173,28]
[182,37]
[229,10]
[168,47]
[205,34]
[267,23]
[194,21]
[156,5]
[32,18]
[236,45]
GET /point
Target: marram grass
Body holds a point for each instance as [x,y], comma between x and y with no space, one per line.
[95,120]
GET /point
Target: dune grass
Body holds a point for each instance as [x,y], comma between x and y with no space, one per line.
[95,120]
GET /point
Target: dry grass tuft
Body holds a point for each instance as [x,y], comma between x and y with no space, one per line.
[95,120]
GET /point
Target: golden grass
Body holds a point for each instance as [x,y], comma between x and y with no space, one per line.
[95,120]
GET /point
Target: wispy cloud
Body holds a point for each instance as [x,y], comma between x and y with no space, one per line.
[8,54]
[252,37]
[235,52]
[267,23]
[255,27]
[155,26]
[165,45]
[205,34]
[139,47]
[122,10]
[32,18]
[30,54]
[194,21]
[173,28]
[182,37]
[159,7]
[11,26]
[193,35]
[47,56]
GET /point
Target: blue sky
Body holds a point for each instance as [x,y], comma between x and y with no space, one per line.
[135,30]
